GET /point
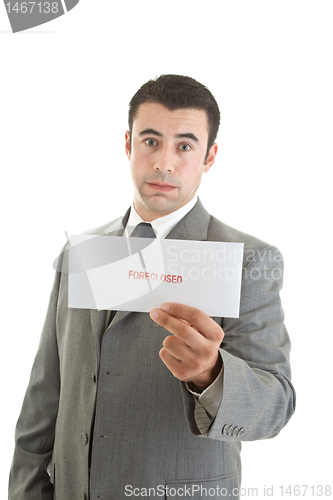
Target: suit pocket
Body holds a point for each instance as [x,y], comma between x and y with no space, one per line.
[224,486]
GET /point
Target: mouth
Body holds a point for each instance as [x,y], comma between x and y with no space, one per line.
[161,186]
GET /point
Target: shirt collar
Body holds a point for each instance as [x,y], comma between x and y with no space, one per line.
[163,225]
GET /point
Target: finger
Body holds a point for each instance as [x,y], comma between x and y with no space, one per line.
[178,349]
[199,320]
[178,369]
[181,329]
[170,361]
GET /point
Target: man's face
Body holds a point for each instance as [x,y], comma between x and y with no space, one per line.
[167,158]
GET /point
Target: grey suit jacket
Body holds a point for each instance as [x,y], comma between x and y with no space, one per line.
[158,445]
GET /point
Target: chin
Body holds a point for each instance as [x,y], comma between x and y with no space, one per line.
[161,206]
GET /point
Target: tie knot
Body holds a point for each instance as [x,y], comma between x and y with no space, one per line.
[144,230]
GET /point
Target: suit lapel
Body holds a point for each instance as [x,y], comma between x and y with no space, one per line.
[117,227]
[98,319]
[194,226]
[119,316]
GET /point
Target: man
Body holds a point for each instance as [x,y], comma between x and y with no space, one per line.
[136,405]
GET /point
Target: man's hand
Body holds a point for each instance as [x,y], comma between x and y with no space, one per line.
[191,353]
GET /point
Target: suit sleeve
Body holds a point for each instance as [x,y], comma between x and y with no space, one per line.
[35,430]
[258,397]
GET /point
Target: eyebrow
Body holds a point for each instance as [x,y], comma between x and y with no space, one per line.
[187,135]
[150,131]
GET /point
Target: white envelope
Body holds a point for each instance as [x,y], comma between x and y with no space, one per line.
[139,274]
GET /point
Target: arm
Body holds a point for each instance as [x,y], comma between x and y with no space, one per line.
[258,398]
[35,429]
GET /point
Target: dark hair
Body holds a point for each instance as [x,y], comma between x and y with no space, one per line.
[178,92]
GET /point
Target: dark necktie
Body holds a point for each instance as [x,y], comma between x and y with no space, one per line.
[143,230]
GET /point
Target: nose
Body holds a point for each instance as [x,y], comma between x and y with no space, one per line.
[164,162]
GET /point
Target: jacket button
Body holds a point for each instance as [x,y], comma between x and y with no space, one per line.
[84,438]
[241,431]
[225,430]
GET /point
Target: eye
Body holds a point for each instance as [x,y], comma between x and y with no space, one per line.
[185,147]
[151,142]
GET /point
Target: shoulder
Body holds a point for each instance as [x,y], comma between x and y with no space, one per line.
[219,231]
[253,247]
[112,228]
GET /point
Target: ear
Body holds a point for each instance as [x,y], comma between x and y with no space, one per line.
[128,144]
[211,157]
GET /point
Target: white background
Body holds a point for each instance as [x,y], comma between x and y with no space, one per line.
[65,88]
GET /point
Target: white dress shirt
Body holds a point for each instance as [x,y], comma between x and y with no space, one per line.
[163,225]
